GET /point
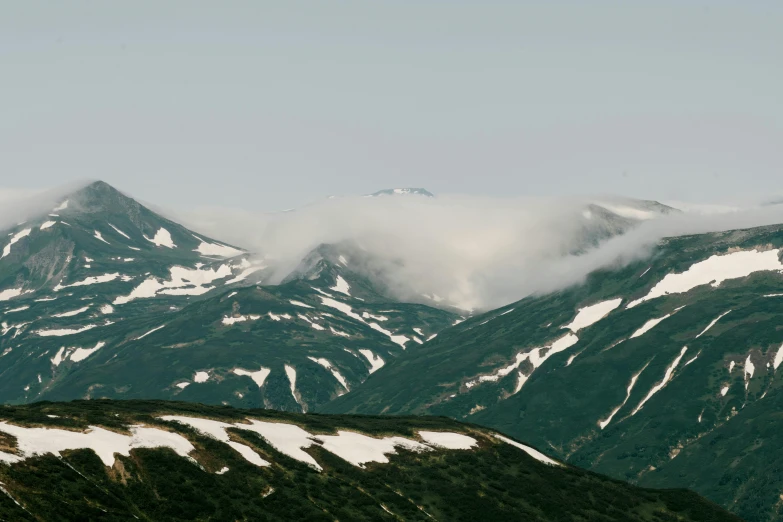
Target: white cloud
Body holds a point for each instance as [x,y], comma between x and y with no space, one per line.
[477,252]
[21,204]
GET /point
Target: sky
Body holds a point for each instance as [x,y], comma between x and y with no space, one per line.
[271,105]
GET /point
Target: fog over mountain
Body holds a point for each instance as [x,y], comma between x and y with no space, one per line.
[474,252]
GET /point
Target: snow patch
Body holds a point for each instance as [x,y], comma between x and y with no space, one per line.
[258,377]
[376,363]
[81,354]
[359,449]
[288,439]
[105,443]
[342,286]
[5,295]
[65,331]
[58,358]
[714,271]
[337,375]
[105,278]
[215,249]
[290,372]
[448,440]
[184,281]
[228,321]
[14,239]
[589,315]
[162,238]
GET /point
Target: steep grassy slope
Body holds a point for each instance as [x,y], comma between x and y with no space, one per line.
[662,372]
[270,479]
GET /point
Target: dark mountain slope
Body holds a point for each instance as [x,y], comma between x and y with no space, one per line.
[177,461]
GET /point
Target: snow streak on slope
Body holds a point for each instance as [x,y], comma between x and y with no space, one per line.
[714,270]
[72,312]
[120,232]
[778,357]
[290,372]
[530,451]
[347,310]
[712,324]
[536,356]
[661,385]
[604,423]
[15,239]
[337,375]
[652,323]
[149,332]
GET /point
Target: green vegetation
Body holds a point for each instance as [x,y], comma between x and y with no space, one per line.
[495,481]
[714,427]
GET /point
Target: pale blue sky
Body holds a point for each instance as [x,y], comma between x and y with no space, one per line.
[274,104]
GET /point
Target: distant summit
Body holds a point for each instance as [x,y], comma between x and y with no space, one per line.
[402,192]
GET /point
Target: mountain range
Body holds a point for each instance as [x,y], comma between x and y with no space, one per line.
[661,372]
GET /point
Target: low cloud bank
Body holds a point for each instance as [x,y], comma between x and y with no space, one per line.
[474,252]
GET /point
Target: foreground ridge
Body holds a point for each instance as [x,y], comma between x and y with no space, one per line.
[158,460]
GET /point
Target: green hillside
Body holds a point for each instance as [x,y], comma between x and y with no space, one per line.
[671,379]
[257,472]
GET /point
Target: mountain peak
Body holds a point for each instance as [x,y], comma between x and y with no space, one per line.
[402,192]
[98,196]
